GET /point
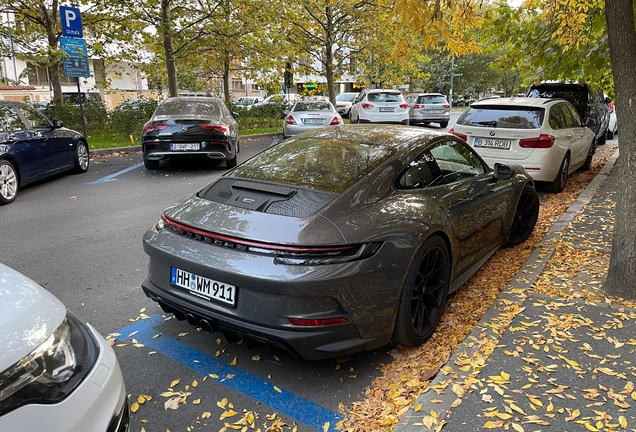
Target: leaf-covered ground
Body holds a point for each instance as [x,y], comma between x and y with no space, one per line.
[391,395]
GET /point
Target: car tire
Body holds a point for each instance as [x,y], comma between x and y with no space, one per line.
[231,163]
[82,159]
[150,164]
[588,161]
[8,182]
[424,293]
[561,179]
[610,135]
[525,218]
[602,139]
[443,124]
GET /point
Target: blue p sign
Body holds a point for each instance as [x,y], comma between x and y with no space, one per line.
[71,22]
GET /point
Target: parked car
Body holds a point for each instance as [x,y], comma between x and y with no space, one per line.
[426,108]
[40,106]
[337,241]
[32,148]
[344,102]
[57,373]
[190,127]
[612,127]
[247,102]
[545,136]
[306,115]
[282,99]
[379,106]
[589,103]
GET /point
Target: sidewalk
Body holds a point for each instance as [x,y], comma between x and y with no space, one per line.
[552,353]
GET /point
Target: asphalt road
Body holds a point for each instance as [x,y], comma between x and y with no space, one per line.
[80,237]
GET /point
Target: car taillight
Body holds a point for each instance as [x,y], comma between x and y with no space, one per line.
[611,107]
[461,135]
[336,121]
[446,106]
[290,120]
[542,141]
[418,106]
[367,105]
[151,128]
[216,126]
[317,322]
[404,105]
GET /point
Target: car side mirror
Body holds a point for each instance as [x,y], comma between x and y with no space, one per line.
[235,114]
[590,122]
[608,100]
[503,172]
[58,123]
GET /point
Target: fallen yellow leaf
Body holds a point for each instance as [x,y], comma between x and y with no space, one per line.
[134,407]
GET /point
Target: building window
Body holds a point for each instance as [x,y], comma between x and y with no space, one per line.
[237,85]
[40,76]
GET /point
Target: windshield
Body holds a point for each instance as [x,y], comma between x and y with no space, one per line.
[328,165]
[188,108]
[508,117]
[244,101]
[346,97]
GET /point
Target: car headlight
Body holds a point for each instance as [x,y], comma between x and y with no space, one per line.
[51,371]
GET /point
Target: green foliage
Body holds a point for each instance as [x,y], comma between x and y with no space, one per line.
[129,119]
[94,113]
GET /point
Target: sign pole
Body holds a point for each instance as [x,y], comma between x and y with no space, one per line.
[81,103]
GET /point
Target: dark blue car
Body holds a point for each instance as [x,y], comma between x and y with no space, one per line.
[33,147]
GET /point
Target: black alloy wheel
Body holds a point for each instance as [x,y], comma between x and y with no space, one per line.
[525,217]
[558,184]
[424,294]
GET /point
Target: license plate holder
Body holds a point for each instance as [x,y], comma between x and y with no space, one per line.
[185,146]
[202,287]
[492,143]
[313,121]
[386,109]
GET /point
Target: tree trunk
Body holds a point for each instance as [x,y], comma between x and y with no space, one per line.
[171,67]
[50,18]
[226,81]
[329,33]
[621,278]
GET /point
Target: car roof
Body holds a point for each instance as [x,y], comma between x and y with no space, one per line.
[207,99]
[516,101]
[383,91]
[427,94]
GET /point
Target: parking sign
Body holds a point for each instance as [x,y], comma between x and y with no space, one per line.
[71,22]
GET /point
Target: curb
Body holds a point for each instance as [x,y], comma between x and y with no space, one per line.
[489,329]
[133,149]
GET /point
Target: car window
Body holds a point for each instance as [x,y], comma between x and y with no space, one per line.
[385,97]
[346,97]
[456,162]
[430,99]
[34,119]
[575,116]
[556,118]
[9,119]
[507,117]
[444,163]
[312,106]
[567,116]
[329,165]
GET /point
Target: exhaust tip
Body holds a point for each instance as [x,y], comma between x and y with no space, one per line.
[206,326]
[192,321]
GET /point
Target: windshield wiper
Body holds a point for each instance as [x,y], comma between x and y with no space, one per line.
[487,123]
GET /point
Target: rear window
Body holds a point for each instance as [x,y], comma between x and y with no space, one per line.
[385,97]
[312,106]
[347,97]
[503,117]
[431,100]
[322,164]
[188,108]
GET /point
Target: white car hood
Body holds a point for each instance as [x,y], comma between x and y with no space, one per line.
[28,315]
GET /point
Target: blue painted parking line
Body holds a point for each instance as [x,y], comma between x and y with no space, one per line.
[111,177]
[274,142]
[251,385]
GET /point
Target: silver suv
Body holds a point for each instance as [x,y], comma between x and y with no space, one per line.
[425,108]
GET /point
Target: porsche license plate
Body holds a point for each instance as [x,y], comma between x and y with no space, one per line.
[492,143]
[189,146]
[203,287]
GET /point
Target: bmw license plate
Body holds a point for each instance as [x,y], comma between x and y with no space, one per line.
[189,146]
[203,287]
[384,109]
[492,143]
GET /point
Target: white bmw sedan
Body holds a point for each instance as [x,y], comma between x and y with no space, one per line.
[57,373]
[545,136]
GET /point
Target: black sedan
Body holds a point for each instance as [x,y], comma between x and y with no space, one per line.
[190,127]
[32,147]
[337,240]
